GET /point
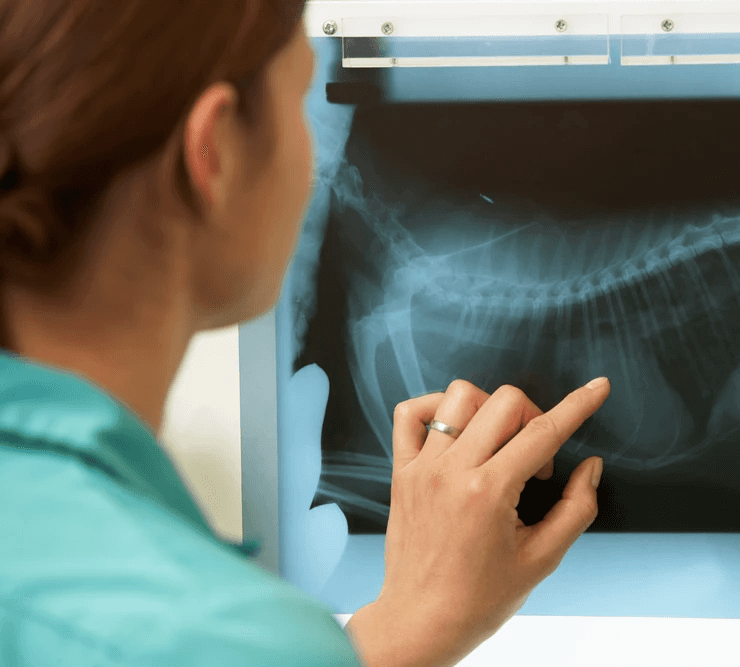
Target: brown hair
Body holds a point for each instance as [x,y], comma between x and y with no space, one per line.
[91,88]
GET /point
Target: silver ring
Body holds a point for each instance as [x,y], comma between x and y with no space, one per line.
[445,428]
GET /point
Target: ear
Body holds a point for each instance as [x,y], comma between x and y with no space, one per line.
[201,152]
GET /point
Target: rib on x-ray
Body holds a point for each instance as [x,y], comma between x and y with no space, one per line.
[538,246]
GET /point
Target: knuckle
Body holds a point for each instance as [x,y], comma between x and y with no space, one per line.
[476,485]
[510,392]
[436,478]
[402,410]
[461,387]
[543,425]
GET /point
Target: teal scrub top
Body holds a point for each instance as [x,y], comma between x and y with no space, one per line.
[105,558]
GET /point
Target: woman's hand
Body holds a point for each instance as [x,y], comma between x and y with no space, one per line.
[459,562]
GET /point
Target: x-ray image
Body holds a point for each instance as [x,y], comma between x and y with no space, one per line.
[538,245]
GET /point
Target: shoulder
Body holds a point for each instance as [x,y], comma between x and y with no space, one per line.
[94,570]
[281,628]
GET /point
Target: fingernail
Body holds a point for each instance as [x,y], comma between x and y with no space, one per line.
[596,473]
[597,382]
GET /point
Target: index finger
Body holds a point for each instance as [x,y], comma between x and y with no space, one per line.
[543,436]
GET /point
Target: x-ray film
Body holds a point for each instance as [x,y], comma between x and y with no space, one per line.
[537,244]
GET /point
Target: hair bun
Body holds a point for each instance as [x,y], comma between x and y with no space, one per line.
[5,155]
[8,168]
[28,232]
[32,233]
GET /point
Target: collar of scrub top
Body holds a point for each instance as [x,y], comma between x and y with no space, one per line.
[60,411]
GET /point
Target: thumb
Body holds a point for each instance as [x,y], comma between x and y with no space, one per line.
[550,539]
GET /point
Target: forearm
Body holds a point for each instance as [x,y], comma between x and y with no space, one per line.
[386,637]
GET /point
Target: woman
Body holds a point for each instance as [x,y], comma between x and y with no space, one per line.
[154,169]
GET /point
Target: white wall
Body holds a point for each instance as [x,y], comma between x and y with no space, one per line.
[201,432]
